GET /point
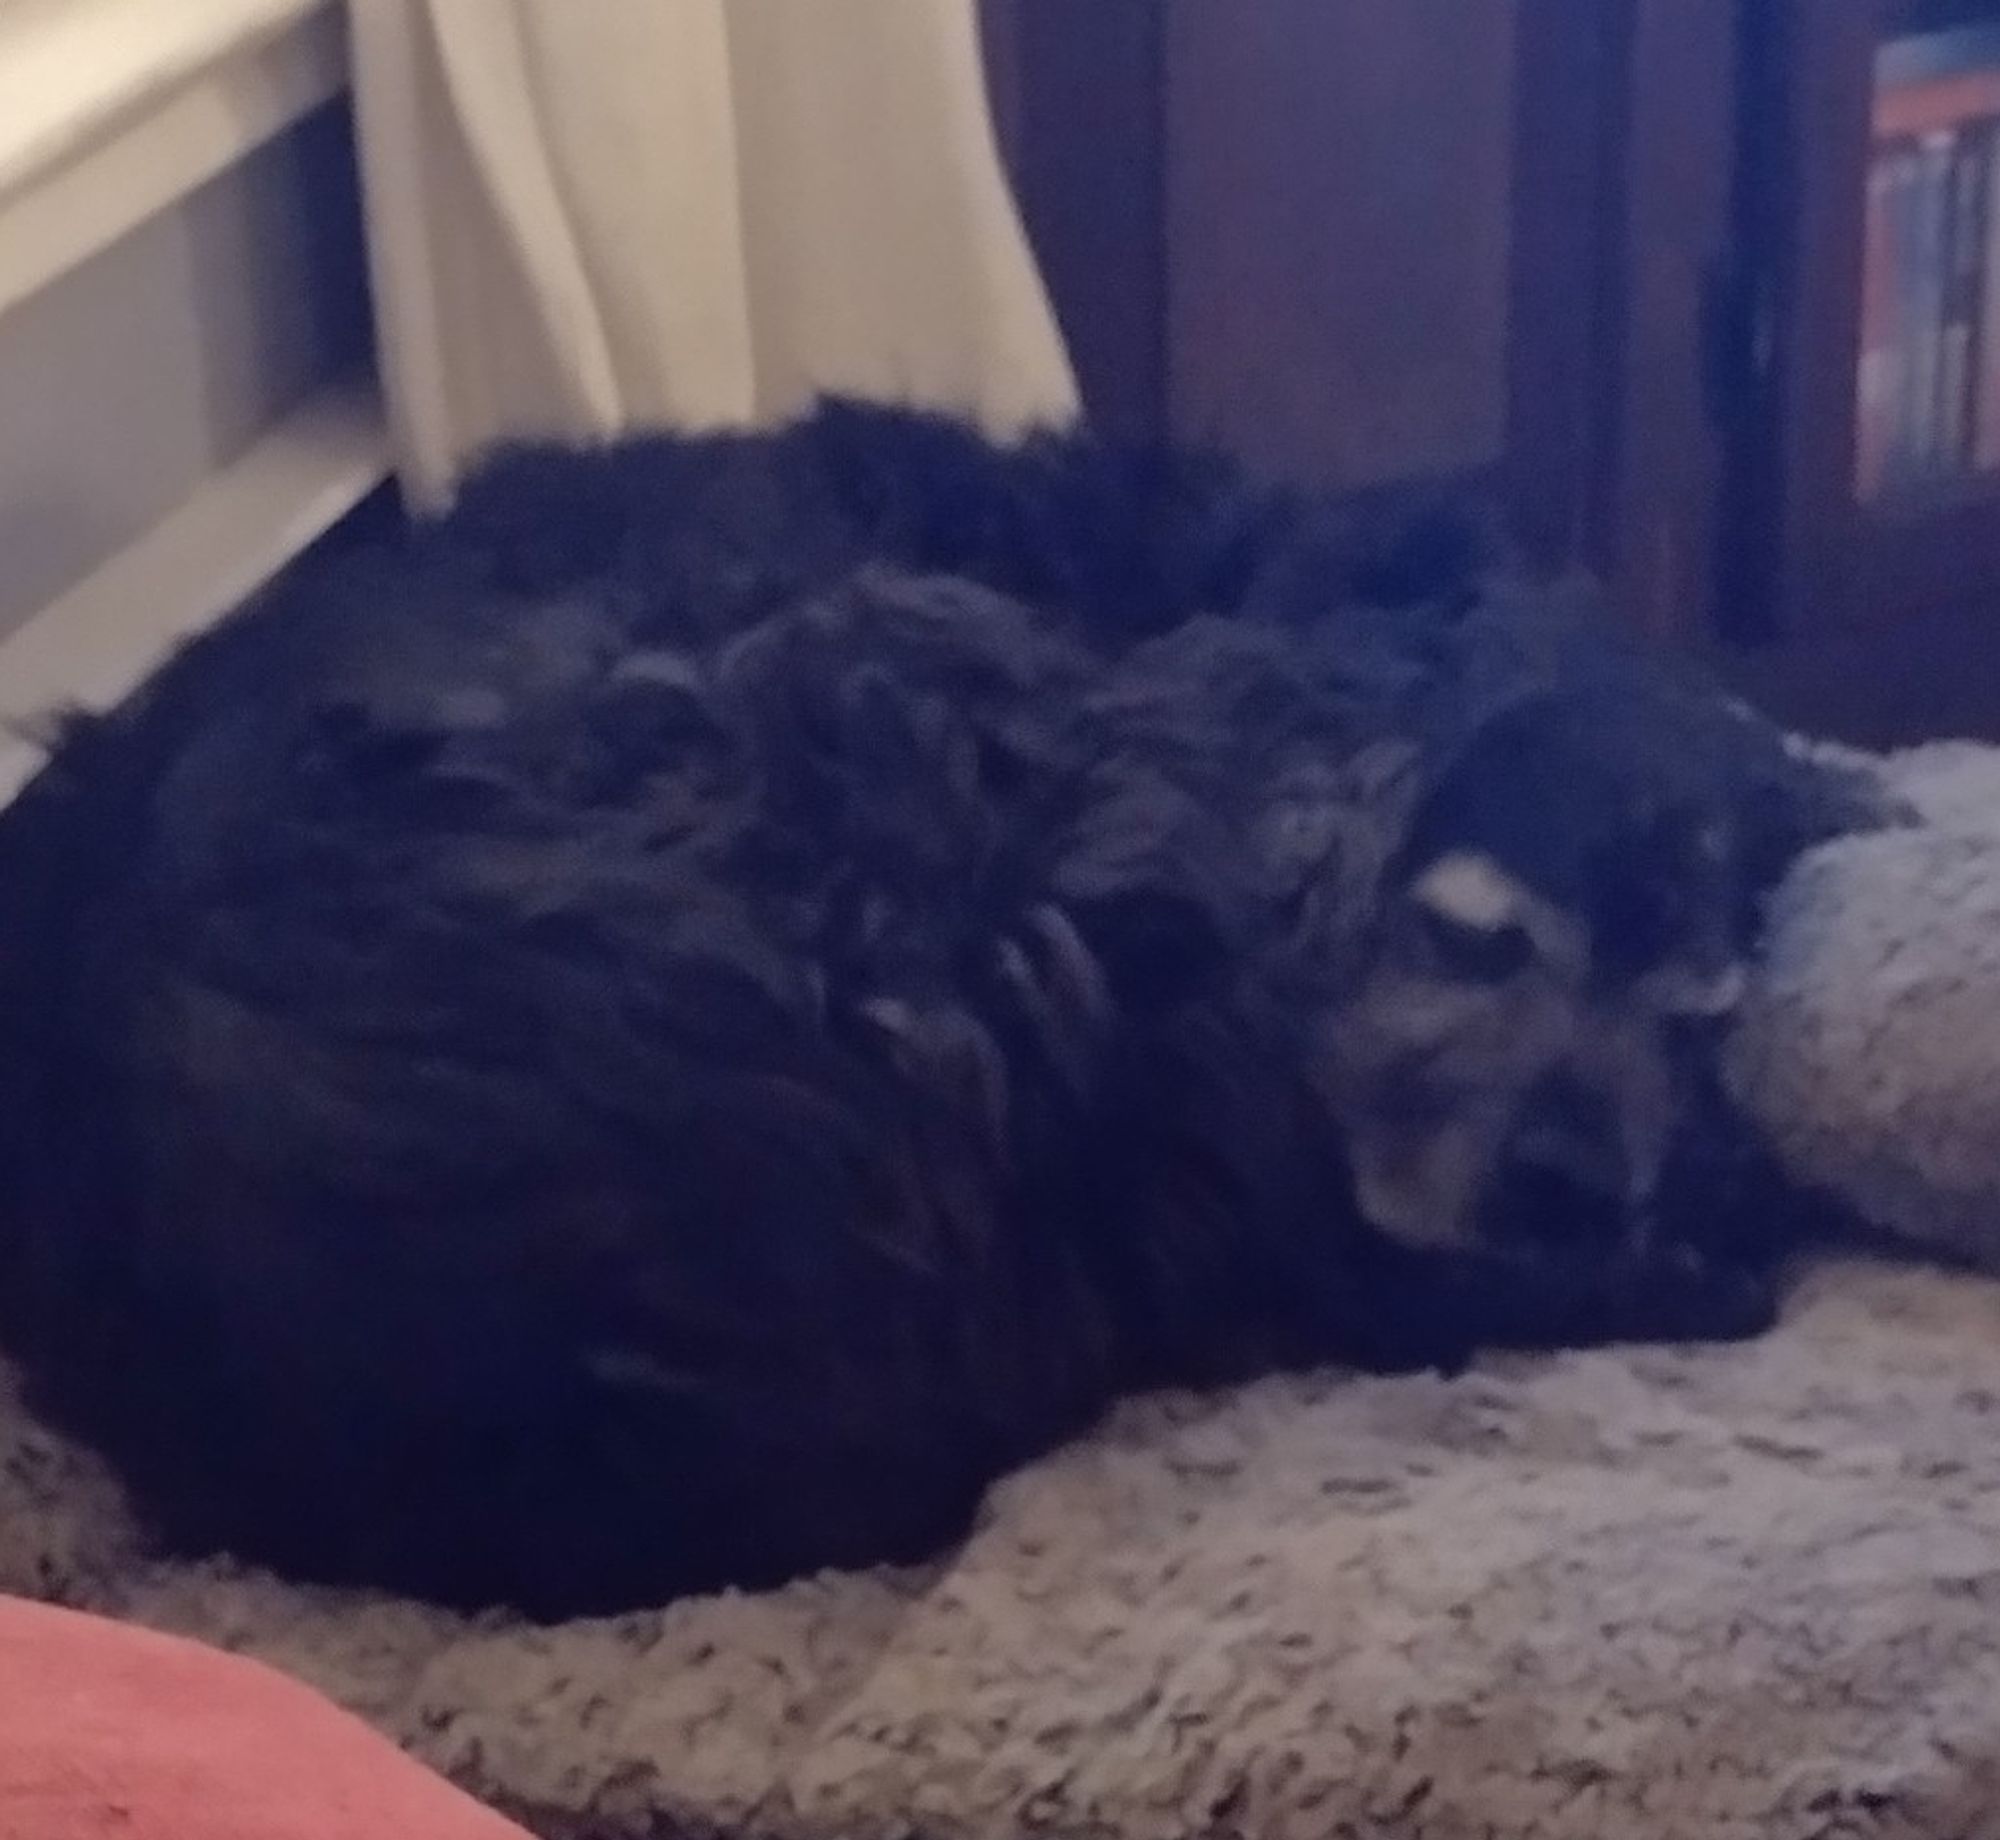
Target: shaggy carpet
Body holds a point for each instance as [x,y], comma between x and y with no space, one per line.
[1751,1591]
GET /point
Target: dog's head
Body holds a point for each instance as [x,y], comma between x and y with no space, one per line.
[1493,879]
[1557,932]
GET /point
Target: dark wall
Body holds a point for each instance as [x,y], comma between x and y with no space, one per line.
[1339,184]
[1365,241]
[1285,227]
[1079,93]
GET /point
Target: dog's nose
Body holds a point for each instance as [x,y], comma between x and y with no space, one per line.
[1564,1178]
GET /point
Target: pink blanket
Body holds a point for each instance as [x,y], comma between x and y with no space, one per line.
[112,1731]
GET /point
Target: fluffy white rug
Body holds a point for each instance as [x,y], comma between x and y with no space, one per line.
[1707,1592]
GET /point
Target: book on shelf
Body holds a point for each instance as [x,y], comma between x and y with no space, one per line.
[1971,153]
[1927,383]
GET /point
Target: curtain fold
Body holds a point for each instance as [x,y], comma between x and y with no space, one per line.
[586,216]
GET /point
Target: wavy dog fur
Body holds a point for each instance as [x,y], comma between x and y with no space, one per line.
[665,1028]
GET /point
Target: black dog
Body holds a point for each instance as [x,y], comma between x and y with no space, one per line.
[667,1027]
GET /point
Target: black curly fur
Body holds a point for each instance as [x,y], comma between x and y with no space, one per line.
[666,1028]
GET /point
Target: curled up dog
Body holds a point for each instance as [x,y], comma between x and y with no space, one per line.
[663,1030]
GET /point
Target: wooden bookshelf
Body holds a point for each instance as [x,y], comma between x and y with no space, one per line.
[1875,463]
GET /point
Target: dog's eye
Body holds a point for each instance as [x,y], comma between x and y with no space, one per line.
[1475,954]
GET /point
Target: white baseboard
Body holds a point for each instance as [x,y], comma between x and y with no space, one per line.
[95,644]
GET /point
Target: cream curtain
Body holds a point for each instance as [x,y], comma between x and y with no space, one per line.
[591,215]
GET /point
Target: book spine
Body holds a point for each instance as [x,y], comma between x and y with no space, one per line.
[1878,382]
[1986,414]
[1925,291]
[1963,271]
[1904,192]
